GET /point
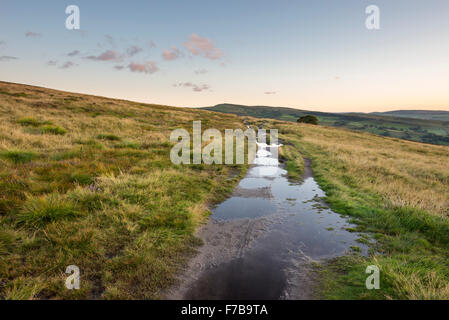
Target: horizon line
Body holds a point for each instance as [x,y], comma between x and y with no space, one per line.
[221,103]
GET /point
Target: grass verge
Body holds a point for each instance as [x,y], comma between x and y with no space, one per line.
[98,190]
[395,191]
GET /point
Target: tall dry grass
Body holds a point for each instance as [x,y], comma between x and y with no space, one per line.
[403,173]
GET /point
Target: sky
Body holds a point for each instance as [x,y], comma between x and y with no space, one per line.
[306,54]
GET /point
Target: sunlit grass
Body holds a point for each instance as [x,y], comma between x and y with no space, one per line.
[397,192]
[88,181]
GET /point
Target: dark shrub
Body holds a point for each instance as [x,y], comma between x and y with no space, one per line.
[308,119]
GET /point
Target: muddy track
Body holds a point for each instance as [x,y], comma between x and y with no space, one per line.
[261,242]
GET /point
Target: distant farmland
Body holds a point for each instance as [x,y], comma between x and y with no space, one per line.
[419,128]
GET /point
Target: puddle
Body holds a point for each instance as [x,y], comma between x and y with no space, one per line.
[274,262]
[254,183]
[239,207]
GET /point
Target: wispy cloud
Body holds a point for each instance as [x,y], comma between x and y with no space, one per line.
[73,53]
[133,50]
[52,62]
[110,40]
[32,34]
[270,92]
[171,54]
[201,71]
[152,44]
[148,67]
[195,87]
[68,64]
[8,58]
[2,43]
[202,46]
[119,67]
[109,55]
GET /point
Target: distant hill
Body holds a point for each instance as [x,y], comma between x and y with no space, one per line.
[395,124]
[417,114]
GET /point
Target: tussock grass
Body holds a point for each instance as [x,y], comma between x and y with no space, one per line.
[17,156]
[103,196]
[294,162]
[39,211]
[29,121]
[22,289]
[396,191]
[53,130]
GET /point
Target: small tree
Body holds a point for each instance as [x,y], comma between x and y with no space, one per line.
[308,119]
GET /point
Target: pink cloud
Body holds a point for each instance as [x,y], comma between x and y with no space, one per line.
[32,34]
[109,55]
[172,54]
[203,47]
[149,67]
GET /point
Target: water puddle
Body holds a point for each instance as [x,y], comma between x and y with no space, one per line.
[274,263]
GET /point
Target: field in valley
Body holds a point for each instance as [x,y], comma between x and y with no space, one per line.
[424,126]
[88,181]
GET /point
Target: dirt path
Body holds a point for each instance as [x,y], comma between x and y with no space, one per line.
[261,243]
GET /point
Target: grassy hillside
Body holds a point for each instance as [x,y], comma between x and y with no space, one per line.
[417,114]
[88,181]
[421,130]
[397,192]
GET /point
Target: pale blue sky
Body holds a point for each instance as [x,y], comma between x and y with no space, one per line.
[305,54]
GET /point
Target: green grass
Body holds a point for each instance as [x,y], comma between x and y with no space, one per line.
[29,122]
[411,244]
[14,94]
[49,129]
[39,126]
[40,211]
[113,205]
[119,209]
[18,157]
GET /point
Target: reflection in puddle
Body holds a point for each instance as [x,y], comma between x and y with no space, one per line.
[254,183]
[239,208]
[265,172]
[305,230]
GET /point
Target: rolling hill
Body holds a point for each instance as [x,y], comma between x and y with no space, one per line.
[414,129]
[417,114]
[88,181]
